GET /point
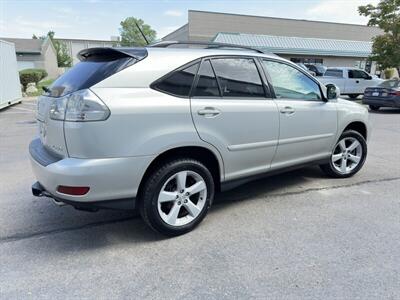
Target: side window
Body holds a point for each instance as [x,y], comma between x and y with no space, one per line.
[290,83]
[207,85]
[238,77]
[358,74]
[334,73]
[179,82]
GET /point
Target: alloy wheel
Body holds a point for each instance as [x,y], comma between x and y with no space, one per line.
[182,198]
[347,155]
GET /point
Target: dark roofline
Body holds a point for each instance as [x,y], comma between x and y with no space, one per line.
[277,18]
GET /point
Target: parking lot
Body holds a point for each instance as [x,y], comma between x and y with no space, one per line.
[294,235]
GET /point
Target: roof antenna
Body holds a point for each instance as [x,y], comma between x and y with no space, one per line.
[137,25]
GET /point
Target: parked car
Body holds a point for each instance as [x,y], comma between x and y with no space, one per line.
[303,66]
[319,70]
[351,82]
[385,94]
[164,129]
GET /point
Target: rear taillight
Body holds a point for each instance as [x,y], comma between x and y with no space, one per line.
[80,106]
[396,93]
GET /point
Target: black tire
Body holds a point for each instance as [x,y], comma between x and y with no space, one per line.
[330,170]
[353,96]
[374,107]
[148,199]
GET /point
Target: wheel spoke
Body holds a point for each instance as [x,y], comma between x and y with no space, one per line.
[354,158]
[192,209]
[343,166]
[181,180]
[342,145]
[196,188]
[353,145]
[173,214]
[167,196]
[336,157]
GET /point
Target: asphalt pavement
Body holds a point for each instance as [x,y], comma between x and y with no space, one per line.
[298,235]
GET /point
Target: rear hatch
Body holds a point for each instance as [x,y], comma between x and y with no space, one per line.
[53,106]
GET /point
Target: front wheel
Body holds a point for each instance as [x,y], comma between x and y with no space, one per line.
[176,196]
[374,107]
[348,155]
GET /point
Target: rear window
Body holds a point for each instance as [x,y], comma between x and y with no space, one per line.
[390,84]
[94,67]
[334,73]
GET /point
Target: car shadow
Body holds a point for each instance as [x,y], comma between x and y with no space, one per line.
[130,229]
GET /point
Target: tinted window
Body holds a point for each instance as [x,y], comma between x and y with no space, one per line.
[334,73]
[290,83]
[179,82]
[207,84]
[87,73]
[358,74]
[238,77]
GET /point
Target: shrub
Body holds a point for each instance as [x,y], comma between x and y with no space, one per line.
[389,73]
[31,75]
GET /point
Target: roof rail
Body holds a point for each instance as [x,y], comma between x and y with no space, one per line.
[210,45]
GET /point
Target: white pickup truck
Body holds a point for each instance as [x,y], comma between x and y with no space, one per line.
[351,81]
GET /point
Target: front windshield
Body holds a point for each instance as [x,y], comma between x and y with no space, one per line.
[394,83]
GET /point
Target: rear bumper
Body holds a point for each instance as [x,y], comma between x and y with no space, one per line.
[109,179]
[382,102]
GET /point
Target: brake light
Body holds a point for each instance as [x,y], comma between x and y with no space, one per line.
[80,106]
[73,190]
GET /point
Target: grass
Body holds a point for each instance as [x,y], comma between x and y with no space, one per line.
[39,86]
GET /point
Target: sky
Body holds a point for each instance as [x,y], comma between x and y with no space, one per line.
[100,19]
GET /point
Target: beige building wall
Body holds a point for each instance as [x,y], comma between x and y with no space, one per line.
[181,34]
[50,62]
[75,45]
[205,25]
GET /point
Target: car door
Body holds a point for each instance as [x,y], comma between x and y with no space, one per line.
[358,81]
[232,110]
[308,124]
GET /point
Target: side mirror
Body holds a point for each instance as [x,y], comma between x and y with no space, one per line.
[369,77]
[332,91]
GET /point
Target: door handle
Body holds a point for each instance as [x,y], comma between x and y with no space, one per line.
[357,81]
[208,112]
[287,110]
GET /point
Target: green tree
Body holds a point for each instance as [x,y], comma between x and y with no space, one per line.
[63,58]
[386,47]
[130,34]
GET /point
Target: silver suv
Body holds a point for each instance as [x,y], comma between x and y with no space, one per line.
[162,129]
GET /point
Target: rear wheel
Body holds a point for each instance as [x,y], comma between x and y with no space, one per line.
[374,107]
[176,196]
[353,96]
[348,155]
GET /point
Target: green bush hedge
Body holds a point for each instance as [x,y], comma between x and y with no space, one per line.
[31,75]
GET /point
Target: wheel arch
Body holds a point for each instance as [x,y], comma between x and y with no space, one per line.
[205,155]
[358,126]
